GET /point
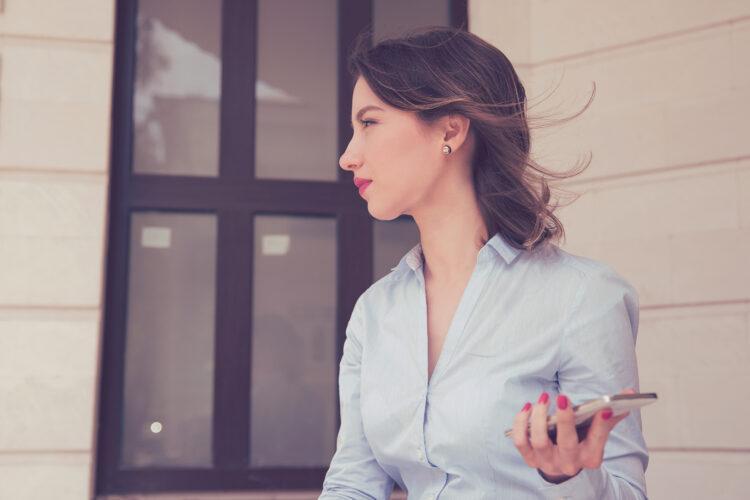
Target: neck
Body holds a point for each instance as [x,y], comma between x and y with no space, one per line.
[451,231]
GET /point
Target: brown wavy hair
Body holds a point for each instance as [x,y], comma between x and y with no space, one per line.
[435,71]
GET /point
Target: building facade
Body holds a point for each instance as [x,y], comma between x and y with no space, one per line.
[125,131]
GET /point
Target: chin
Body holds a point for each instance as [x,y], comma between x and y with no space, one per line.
[383,214]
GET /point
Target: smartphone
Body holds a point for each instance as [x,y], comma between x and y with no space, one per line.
[584,412]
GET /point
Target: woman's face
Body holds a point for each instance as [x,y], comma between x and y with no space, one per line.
[401,156]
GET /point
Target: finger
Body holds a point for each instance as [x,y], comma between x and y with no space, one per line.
[540,441]
[567,439]
[520,434]
[593,446]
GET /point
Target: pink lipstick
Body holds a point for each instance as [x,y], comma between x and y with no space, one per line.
[362,184]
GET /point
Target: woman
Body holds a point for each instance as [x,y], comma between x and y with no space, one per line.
[485,313]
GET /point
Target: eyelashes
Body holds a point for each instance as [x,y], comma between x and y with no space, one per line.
[363,122]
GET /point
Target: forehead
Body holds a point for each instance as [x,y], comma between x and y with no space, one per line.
[363,94]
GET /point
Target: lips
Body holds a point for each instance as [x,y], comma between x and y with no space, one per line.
[363,185]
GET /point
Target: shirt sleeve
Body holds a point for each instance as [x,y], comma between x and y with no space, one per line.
[354,473]
[597,357]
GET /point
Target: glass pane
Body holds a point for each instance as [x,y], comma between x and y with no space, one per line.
[394,17]
[296,133]
[169,354]
[293,393]
[392,239]
[177,88]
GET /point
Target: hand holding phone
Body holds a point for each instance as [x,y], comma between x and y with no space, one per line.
[575,446]
[584,412]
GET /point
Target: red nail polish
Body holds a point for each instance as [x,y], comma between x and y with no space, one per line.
[562,402]
[526,407]
[543,398]
[607,414]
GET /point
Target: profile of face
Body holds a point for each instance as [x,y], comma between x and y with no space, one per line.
[400,154]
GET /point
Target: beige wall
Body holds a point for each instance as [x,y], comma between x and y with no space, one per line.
[55,81]
[666,200]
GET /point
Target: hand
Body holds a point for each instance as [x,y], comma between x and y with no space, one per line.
[561,461]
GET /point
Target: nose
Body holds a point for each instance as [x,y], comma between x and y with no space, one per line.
[348,160]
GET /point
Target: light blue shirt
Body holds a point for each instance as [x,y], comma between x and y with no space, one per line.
[527,322]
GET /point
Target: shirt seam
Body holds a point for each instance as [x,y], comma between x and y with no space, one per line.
[575,307]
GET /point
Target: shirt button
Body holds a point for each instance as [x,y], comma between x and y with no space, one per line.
[420,455]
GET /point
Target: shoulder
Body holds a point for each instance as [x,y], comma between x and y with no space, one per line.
[575,287]
[382,293]
[600,298]
[585,275]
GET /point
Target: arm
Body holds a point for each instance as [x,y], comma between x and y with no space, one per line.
[597,357]
[354,473]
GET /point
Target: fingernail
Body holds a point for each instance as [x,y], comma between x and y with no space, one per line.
[526,407]
[607,414]
[562,402]
[543,398]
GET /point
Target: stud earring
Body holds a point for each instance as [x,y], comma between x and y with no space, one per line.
[447,149]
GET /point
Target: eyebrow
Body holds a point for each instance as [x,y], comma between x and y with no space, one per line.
[365,109]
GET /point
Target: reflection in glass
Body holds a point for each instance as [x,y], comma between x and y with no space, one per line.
[169,354]
[177,88]
[395,17]
[391,240]
[297,90]
[293,394]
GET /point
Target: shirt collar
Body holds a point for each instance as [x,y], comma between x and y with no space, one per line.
[413,258]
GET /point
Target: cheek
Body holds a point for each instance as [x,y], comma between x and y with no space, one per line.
[401,170]
[401,156]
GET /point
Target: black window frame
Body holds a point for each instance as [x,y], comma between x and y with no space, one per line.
[236,197]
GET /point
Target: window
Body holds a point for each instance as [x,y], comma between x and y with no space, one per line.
[237,246]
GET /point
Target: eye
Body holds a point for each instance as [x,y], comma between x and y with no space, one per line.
[365,121]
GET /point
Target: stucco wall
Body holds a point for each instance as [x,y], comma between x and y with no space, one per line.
[55,88]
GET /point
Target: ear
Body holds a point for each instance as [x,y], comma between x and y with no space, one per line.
[455,130]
